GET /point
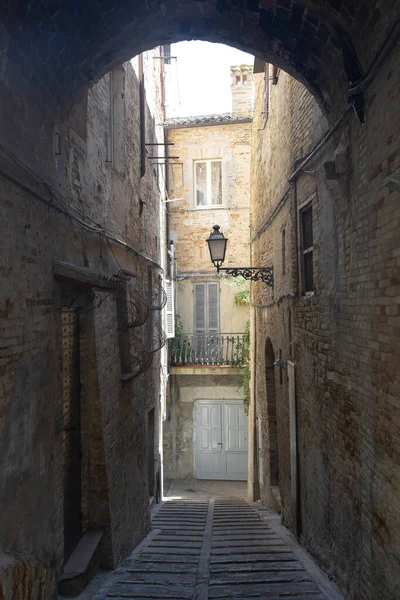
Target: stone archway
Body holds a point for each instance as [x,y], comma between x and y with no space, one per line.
[64,47]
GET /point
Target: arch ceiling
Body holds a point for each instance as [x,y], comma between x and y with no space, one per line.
[66,45]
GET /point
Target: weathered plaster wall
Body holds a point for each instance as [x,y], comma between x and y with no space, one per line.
[232,318]
[345,336]
[179,429]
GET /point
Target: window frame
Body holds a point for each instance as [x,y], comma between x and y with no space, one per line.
[208,205]
[207,285]
[305,251]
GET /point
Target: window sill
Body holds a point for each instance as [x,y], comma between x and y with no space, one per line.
[219,207]
[307,295]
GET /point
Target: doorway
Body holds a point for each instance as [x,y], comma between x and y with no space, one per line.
[221,440]
[71,431]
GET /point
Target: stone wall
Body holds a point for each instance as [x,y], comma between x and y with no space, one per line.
[40,226]
[190,226]
[23,577]
[343,337]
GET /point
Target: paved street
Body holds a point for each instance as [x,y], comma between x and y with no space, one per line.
[207,545]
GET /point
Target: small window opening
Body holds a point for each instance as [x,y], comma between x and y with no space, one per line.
[307,249]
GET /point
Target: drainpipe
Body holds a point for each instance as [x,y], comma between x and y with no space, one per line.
[142,117]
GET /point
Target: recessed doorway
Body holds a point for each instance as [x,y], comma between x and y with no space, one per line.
[221,440]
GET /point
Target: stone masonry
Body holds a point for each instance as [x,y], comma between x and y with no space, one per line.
[226,138]
[342,337]
[90,190]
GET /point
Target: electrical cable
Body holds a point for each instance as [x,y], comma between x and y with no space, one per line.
[112,252]
[61,203]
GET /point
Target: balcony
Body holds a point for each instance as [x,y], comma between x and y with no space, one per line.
[224,349]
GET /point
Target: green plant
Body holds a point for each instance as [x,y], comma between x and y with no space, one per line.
[246,368]
[242,298]
[180,344]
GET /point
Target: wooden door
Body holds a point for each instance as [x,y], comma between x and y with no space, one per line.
[221,440]
[209,444]
[72,431]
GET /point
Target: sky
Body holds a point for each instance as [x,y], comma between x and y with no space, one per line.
[199,82]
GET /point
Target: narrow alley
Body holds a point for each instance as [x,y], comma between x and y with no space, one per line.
[207,542]
[200,299]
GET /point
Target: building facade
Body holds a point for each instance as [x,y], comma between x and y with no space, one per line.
[325,348]
[81,317]
[205,434]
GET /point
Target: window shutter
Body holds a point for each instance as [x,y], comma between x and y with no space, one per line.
[307,228]
[199,308]
[213,308]
[170,312]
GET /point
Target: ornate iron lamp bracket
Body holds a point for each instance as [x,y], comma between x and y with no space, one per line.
[265,274]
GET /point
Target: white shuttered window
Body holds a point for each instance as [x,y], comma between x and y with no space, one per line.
[169,309]
[206,308]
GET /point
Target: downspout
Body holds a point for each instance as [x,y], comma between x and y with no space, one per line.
[142,117]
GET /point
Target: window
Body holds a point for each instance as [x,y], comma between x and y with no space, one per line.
[206,308]
[244,79]
[307,249]
[169,309]
[208,183]
[283,251]
[237,79]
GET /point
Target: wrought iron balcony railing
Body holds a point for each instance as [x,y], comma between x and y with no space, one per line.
[201,349]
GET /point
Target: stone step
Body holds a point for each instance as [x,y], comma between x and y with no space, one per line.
[82,565]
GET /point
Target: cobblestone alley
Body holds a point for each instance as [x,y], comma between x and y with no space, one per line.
[210,545]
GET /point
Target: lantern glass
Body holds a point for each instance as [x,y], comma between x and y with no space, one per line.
[217,245]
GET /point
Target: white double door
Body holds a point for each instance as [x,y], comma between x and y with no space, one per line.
[221,440]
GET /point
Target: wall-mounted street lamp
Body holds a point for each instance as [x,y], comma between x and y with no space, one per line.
[217,245]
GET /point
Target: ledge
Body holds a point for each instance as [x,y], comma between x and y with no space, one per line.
[205,370]
[64,271]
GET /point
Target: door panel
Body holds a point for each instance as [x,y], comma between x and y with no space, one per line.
[71,433]
[235,424]
[221,440]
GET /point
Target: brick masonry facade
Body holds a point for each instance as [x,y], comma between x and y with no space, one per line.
[189,227]
[343,338]
[115,442]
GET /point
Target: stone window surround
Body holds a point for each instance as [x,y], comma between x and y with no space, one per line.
[208,206]
[303,206]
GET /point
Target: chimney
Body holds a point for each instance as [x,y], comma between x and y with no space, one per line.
[242,90]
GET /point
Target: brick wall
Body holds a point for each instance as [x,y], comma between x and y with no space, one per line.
[345,335]
[71,155]
[190,227]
